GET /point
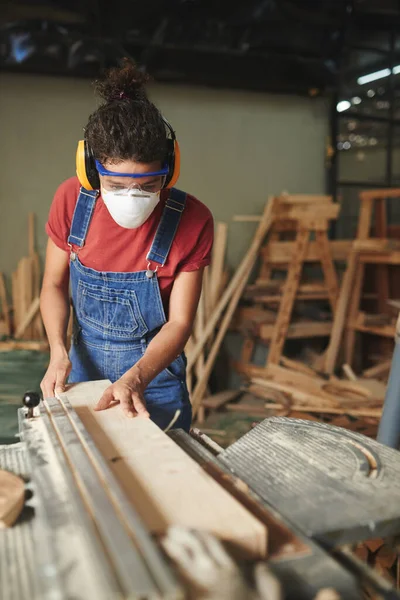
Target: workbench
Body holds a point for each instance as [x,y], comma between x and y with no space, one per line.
[319,490]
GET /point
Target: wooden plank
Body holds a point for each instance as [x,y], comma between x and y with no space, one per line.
[382,330]
[363,232]
[217,261]
[382,271]
[289,295]
[303,329]
[297,199]
[4,306]
[378,370]
[328,267]
[29,316]
[217,400]
[315,199]
[12,498]
[368,195]
[201,384]
[379,245]
[279,252]
[392,258]
[165,485]
[15,298]
[40,346]
[310,212]
[266,412]
[297,366]
[348,371]
[198,328]
[339,320]
[240,278]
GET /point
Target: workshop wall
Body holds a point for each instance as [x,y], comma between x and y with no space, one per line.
[237,148]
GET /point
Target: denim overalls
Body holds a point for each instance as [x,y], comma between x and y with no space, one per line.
[117,315]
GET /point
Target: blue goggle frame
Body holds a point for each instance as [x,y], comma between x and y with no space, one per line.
[103,171]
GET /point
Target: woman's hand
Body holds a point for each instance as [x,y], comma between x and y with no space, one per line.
[129,393]
[56,375]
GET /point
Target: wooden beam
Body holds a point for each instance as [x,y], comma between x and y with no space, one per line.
[339,320]
[381,193]
[217,400]
[328,268]
[288,298]
[26,321]
[282,252]
[4,305]
[217,261]
[166,486]
[378,370]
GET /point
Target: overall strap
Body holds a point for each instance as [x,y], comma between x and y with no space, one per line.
[168,226]
[82,215]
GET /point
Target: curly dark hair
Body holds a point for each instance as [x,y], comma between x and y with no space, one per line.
[126,126]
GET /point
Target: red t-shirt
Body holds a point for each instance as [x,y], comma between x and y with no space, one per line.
[109,247]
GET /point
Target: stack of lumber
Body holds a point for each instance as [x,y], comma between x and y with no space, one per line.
[214,282]
[212,330]
[25,326]
[289,390]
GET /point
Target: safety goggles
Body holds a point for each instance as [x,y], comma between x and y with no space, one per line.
[149,187]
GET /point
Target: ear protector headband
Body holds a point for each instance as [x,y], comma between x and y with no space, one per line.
[89,177]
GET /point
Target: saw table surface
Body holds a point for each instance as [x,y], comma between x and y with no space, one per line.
[337,486]
[313,486]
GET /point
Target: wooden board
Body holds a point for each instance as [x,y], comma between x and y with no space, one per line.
[288,298]
[282,252]
[12,498]
[218,400]
[165,485]
[4,306]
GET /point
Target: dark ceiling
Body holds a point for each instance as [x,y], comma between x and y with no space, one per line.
[294,46]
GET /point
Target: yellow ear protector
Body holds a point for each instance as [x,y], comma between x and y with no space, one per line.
[88,175]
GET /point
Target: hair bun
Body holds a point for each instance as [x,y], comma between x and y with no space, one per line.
[125,82]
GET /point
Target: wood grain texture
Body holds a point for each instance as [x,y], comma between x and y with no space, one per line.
[165,485]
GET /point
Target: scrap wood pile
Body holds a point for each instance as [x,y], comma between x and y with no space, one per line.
[285,302]
[20,322]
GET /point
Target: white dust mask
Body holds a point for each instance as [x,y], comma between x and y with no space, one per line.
[132,208]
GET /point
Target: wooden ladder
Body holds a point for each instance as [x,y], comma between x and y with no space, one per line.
[298,218]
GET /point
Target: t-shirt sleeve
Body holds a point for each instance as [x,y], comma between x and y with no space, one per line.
[60,215]
[200,254]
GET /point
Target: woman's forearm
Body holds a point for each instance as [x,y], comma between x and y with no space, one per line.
[161,352]
[54,306]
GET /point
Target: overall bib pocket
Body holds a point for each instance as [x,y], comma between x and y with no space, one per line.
[113,313]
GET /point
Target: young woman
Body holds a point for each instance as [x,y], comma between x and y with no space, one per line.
[132,249]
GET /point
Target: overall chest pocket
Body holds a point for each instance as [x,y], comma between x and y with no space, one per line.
[114,313]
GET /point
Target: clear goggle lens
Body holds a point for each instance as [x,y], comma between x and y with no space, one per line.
[152,187]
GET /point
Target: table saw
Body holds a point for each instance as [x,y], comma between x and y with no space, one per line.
[319,489]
